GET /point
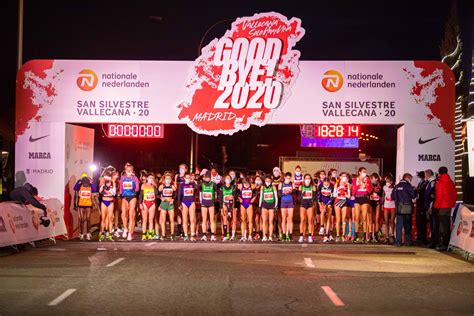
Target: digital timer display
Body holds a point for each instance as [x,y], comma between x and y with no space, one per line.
[123,130]
[330,131]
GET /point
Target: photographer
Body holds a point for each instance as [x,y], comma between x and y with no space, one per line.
[26,195]
[403,195]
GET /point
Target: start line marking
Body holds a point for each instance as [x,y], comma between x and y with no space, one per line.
[61,297]
[309,263]
[332,296]
[151,244]
[115,262]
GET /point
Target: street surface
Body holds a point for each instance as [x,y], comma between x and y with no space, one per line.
[152,277]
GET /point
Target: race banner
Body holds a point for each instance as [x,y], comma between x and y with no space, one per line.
[309,165]
[462,235]
[20,223]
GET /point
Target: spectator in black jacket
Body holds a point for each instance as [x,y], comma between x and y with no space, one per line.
[421,221]
[403,195]
[26,195]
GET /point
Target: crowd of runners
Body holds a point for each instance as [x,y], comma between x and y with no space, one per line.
[338,206]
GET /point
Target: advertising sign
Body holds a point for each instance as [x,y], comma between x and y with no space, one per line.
[470,146]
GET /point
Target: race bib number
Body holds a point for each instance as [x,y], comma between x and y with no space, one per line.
[167,192]
[375,197]
[268,196]
[150,196]
[85,194]
[307,194]
[246,194]
[287,190]
[207,195]
[188,191]
[326,192]
[127,185]
[227,198]
[389,198]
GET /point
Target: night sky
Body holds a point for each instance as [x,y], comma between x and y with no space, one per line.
[169,30]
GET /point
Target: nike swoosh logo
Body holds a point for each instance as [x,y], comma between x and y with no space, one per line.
[421,141]
[32,140]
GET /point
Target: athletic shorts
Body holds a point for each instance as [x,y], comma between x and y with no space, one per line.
[389,209]
[256,209]
[374,204]
[207,203]
[107,203]
[340,203]
[148,204]
[350,203]
[128,198]
[287,204]
[361,200]
[167,206]
[306,203]
[268,206]
[187,202]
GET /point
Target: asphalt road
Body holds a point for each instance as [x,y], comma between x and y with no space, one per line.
[134,278]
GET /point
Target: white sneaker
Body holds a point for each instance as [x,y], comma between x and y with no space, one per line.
[321,231]
[129,237]
[270,238]
[125,233]
[119,230]
[81,236]
[331,238]
[326,239]
[232,238]
[117,234]
[204,238]
[244,239]
[301,239]
[310,239]
[250,238]
[264,238]
[88,236]
[213,238]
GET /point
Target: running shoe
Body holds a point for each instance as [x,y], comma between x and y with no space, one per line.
[119,230]
[81,236]
[117,234]
[125,233]
[243,239]
[143,237]
[129,237]
[270,238]
[264,239]
[338,239]
[356,240]
[331,238]
[155,237]
[186,238]
[257,236]
[101,237]
[172,238]
[321,231]
[110,238]
[301,239]
[149,236]
[193,238]
[287,238]
[250,238]
[163,238]
[204,238]
[88,236]
[380,234]
[310,239]
[280,237]
[231,238]
[213,238]
[326,239]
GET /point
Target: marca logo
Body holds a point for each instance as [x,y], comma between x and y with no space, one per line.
[87,80]
[426,157]
[39,155]
[332,80]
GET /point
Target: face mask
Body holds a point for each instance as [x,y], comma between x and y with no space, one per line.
[363,174]
[307,182]
[389,183]
[258,182]
[129,173]
[227,181]
[276,174]
[298,173]
[187,181]
[267,183]
[232,176]
[343,179]
[167,181]
[150,180]
[374,181]
[207,180]
[287,181]
[246,184]
[333,175]
[322,177]
[182,171]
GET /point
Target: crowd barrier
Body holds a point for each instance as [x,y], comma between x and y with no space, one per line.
[462,234]
[20,223]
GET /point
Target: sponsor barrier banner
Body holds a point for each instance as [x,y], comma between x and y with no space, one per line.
[462,235]
[470,146]
[20,223]
[311,166]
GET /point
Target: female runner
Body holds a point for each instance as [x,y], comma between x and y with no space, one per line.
[268,203]
[227,195]
[285,191]
[276,180]
[325,199]
[178,179]
[167,191]
[147,200]
[246,198]
[186,197]
[129,187]
[207,196]
[108,192]
[362,188]
[256,208]
[307,194]
[342,194]
[375,203]
[389,208]
[321,176]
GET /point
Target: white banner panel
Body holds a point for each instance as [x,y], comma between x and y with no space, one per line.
[312,165]
[462,235]
[20,223]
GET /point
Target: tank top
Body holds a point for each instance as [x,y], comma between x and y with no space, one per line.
[85,196]
[149,194]
[108,191]
[268,194]
[208,191]
[128,186]
[167,191]
[306,192]
[246,193]
[187,191]
[298,180]
[227,193]
[287,192]
[341,191]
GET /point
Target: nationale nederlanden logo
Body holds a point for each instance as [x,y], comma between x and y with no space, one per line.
[87,80]
[332,80]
